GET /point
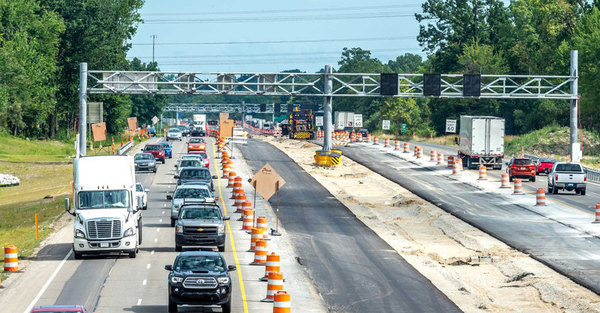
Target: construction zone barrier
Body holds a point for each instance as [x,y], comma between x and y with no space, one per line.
[540,197]
[396,145]
[230,181]
[237,183]
[274,285]
[440,158]
[386,143]
[240,199]
[272,265]
[281,302]
[419,153]
[261,222]
[352,137]
[504,181]
[359,137]
[248,218]
[597,220]
[255,236]
[376,141]
[340,138]
[368,138]
[432,156]
[482,172]
[415,149]
[11,259]
[406,148]
[455,168]
[518,187]
[260,253]
[450,161]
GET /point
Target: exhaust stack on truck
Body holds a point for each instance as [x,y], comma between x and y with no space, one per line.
[106,208]
[481,141]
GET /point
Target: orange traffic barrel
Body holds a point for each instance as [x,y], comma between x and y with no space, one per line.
[406,147]
[440,158]
[11,259]
[248,218]
[419,153]
[273,265]
[482,172]
[260,252]
[274,285]
[455,167]
[450,161]
[261,222]
[396,145]
[540,197]
[432,156]
[518,187]
[387,143]
[504,181]
[597,220]
[368,138]
[230,182]
[281,302]
[255,236]
[376,140]
[231,173]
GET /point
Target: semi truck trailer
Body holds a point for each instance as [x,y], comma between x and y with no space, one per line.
[481,141]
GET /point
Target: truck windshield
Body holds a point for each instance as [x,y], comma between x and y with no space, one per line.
[195,174]
[200,263]
[195,193]
[568,168]
[103,199]
[195,213]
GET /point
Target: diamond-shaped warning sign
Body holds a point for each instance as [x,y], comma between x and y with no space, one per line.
[267,181]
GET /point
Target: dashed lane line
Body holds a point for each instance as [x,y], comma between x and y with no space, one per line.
[48,282]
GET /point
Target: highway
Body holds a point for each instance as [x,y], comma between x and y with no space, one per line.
[352,267]
[559,245]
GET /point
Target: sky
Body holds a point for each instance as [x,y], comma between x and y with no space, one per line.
[272,36]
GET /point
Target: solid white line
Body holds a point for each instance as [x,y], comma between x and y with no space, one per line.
[47,284]
[139,302]
[144,282]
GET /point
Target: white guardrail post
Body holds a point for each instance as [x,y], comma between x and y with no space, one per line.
[125,147]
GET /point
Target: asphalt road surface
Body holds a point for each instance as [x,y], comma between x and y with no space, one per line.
[558,245]
[351,267]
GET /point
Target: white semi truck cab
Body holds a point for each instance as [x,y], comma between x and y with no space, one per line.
[106,209]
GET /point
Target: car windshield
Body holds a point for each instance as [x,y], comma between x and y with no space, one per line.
[548,160]
[144,156]
[523,161]
[138,187]
[195,213]
[568,167]
[103,199]
[195,193]
[196,140]
[190,163]
[199,263]
[195,173]
[153,147]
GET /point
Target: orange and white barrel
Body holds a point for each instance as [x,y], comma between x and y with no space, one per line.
[450,161]
[359,137]
[281,302]
[376,140]
[368,138]
[387,143]
[482,172]
[455,168]
[275,284]
[518,186]
[11,259]
[239,202]
[504,181]
[419,153]
[540,196]
[432,156]
[396,145]
[230,182]
[406,147]
[237,182]
[415,149]
[248,218]
[440,158]
[273,265]
[261,222]
[260,252]
[236,191]
[597,220]
[231,173]
[255,236]
[352,137]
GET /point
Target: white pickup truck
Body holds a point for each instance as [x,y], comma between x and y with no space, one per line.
[567,176]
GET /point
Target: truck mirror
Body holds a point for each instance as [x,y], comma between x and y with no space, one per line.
[226,218]
[231,268]
[147,190]
[68,206]
[169,197]
[214,177]
[175,176]
[169,267]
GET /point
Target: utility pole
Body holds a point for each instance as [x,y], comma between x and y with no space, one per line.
[83,72]
[327,108]
[575,148]
[153,44]
[243,115]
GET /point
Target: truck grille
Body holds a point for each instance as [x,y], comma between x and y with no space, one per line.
[200,283]
[199,230]
[104,229]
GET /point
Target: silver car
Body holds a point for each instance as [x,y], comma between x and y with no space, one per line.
[144,162]
[174,134]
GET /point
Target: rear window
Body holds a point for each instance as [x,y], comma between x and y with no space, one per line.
[568,168]
[195,193]
[523,161]
[195,174]
[153,147]
[190,163]
[196,140]
[548,160]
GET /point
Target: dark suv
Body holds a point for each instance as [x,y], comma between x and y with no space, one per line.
[200,224]
[200,278]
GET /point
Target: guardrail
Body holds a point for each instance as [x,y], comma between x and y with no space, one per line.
[592,174]
[125,148]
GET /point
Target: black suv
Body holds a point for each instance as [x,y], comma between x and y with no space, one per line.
[200,278]
[200,224]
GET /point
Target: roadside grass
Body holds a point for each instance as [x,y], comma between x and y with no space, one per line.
[15,149]
[17,224]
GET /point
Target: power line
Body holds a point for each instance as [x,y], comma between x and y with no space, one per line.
[272,41]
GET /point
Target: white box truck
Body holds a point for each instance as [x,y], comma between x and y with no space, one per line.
[481,141]
[343,120]
[199,125]
[106,208]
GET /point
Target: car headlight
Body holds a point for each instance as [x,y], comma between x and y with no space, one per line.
[176,279]
[129,232]
[223,280]
[179,228]
[222,229]
[79,233]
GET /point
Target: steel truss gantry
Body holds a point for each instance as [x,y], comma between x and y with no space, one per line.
[327,85]
[204,108]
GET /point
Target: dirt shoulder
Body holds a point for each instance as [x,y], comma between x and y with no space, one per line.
[476,271]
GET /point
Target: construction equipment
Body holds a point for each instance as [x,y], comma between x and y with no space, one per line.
[301,124]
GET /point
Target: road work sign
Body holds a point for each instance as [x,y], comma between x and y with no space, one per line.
[99,131]
[155,120]
[385,125]
[318,121]
[267,181]
[132,123]
[358,120]
[451,126]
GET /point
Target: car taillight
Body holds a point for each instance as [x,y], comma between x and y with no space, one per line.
[556,177]
[584,178]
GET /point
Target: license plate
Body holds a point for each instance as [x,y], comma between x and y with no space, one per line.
[522,168]
[104,245]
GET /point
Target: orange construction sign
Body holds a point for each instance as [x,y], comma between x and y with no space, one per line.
[267,181]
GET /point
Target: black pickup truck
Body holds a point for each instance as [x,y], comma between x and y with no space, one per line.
[200,224]
[200,278]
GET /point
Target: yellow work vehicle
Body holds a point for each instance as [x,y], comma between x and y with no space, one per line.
[301,124]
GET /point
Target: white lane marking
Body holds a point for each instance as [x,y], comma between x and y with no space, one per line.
[155,239]
[148,266]
[164,205]
[152,252]
[160,220]
[47,284]
[158,229]
[163,212]
[144,282]
[139,302]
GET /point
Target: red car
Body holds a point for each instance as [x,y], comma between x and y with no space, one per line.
[544,165]
[58,309]
[521,168]
[157,150]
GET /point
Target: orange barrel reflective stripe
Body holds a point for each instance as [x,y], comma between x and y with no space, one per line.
[248,218]
[440,158]
[261,222]
[272,265]
[11,259]
[274,285]
[540,197]
[281,302]
[256,235]
[260,252]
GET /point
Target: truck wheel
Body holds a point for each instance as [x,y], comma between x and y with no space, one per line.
[133,254]
[172,223]
[172,306]
[554,190]
[221,248]
[532,179]
[178,248]
[226,307]
[583,192]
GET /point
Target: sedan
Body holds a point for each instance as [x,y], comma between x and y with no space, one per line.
[174,134]
[144,162]
[196,144]
[158,151]
[140,191]
[544,165]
